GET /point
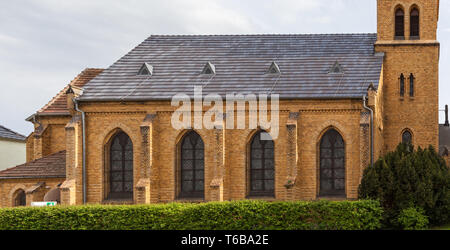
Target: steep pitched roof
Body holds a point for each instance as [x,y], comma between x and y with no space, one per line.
[58,104]
[7,133]
[241,63]
[51,166]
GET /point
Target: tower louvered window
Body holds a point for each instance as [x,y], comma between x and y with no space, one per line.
[399,24]
[414,24]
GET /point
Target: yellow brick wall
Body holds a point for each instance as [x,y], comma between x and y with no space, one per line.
[428,10]
[420,57]
[8,188]
[103,119]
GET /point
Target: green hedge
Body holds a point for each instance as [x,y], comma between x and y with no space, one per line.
[237,215]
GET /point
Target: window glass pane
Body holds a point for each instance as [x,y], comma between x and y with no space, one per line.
[116,176]
[339,163]
[116,145]
[199,186]
[325,163]
[325,184]
[199,154]
[128,165]
[339,153]
[199,175]
[199,164]
[325,152]
[128,187]
[340,173]
[256,153]
[187,186]
[116,165]
[187,164]
[268,185]
[268,153]
[339,184]
[257,185]
[187,154]
[116,187]
[129,155]
[269,174]
[116,155]
[256,164]
[268,164]
[256,174]
[327,173]
[128,176]
[187,175]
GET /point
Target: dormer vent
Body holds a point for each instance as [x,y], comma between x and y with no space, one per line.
[336,68]
[146,69]
[274,69]
[209,69]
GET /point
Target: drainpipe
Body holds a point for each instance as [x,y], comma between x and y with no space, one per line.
[83,124]
[371,131]
[447,124]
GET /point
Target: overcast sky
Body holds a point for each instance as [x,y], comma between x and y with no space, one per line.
[45,43]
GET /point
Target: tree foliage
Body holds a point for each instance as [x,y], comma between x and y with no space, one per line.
[409,178]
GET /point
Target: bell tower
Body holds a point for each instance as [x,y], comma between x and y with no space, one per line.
[406,34]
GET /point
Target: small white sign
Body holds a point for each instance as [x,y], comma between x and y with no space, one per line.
[44,204]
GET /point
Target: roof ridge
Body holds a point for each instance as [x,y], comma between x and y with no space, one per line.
[260,34]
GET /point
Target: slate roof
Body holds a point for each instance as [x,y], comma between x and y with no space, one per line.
[242,62]
[58,104]
[7,133]
[444,138]
[51,166]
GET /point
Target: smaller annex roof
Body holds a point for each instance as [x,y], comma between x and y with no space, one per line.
[58,104]
[51,166]
[7,133]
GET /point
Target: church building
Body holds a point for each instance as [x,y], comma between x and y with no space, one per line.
[343,100]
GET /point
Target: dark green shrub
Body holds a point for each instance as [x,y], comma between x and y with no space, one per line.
[240,215]
[409,178]
[413,219]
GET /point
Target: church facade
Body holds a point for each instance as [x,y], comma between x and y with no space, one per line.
[343,100]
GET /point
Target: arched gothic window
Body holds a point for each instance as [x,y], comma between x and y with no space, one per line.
[411,85]
[407,137]
[121,169]
[262,165]
[20,199]
[192,167]
[402,85]
[414,24]
[399,24]
[332,164]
